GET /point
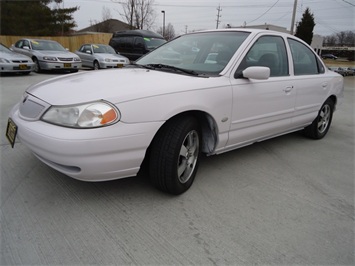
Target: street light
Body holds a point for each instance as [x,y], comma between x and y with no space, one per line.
[163,11]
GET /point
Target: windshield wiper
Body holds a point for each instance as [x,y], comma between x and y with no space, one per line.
[173,68]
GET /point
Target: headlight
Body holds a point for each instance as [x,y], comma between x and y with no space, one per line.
[3,60]
[89,115]
[49,58]
[107,60]
[77,59]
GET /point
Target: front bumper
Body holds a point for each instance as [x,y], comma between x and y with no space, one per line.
[16,67]
[57,65]
[98,154]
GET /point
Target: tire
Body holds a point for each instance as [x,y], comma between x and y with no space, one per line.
[320,126]
[96,65]
[175,155]
[37,68]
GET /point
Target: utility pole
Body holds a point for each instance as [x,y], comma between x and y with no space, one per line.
[219,9]
[163,11]
[293,16]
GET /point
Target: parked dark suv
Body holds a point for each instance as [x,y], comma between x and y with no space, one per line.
[135,43]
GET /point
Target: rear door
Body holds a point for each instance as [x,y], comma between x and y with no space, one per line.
[311,83]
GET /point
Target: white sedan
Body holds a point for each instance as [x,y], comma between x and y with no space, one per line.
[97,126]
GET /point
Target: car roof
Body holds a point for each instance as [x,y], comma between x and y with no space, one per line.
[142,33]
[249,30]
[38,40]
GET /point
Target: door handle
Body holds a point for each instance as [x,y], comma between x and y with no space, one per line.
[288,89]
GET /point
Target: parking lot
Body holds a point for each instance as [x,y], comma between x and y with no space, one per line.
[289,200]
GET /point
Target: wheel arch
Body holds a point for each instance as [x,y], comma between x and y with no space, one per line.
[334,100]
[209,129]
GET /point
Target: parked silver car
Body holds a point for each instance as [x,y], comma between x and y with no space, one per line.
[98,56]
[11,62]
[48,55]
[338,70]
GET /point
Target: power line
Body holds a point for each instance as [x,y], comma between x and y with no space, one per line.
[264,12]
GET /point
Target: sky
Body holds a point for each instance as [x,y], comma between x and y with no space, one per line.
[331,16]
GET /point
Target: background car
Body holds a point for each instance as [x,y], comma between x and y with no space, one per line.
[11,62]
[163,112]
[350,71]
[135,43]
[329,56]
[98,56]
[48,55]
[338,70]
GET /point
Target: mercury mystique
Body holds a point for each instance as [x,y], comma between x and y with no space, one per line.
[205,92]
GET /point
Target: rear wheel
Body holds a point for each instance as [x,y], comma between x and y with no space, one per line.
[320,126]
[175,155]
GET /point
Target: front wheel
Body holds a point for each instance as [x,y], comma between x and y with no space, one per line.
[175,155]
[96,65]
[320,126]
[37,67]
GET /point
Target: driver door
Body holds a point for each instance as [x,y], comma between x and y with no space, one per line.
[262,108]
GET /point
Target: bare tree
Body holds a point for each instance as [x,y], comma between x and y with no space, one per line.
[138,13]
[343,38]
[169,32]
[105,24]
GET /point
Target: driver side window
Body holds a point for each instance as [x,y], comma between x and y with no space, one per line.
[267,51]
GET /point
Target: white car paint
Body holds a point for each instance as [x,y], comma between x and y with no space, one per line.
[239,111]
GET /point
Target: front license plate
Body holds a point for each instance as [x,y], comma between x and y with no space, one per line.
[67,65]
[119,65]
[23,67]
[11,132]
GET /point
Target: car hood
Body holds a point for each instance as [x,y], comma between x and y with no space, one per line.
[113,56]
[54,53]
[14,56]
[116,86]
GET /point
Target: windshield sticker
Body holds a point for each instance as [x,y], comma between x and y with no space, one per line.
[34,42]
[95,46]
[147,39]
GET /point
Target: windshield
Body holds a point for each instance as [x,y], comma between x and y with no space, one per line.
[103,49]
[153,43]
[46,45]
[4,49]
[204,53]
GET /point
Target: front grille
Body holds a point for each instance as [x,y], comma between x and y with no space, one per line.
[65,59]
[20,61]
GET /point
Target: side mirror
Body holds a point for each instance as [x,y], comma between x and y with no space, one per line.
[26,47]
[255,72]
[88,52]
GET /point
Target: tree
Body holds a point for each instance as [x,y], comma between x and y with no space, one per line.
[35,18]
[138,13]
[305,28]
[343,38]
[106,24]
[169,32]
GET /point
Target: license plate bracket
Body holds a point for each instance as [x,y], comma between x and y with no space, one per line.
[11,132]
